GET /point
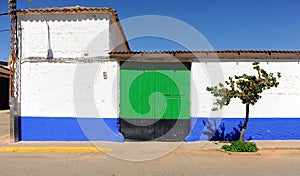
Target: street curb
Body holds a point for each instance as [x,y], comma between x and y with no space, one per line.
[280,148]
[240,153]
[54,149]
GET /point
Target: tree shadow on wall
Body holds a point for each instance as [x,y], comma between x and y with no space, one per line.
[218,134]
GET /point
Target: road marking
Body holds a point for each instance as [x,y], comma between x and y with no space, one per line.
[54,149]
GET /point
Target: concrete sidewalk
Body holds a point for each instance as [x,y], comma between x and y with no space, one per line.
[146,146]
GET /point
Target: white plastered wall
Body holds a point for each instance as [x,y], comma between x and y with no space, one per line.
[281,102]
[69,90]
[68,87]
[70,35]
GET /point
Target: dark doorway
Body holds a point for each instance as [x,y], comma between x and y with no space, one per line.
[4,93]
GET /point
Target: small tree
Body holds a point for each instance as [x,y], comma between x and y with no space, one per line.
[247,88]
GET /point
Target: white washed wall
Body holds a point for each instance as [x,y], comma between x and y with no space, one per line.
[70,35]
[276,102]
[68,88]
[52,89]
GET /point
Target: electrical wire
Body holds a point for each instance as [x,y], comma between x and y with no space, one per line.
[4,30]
[5,13]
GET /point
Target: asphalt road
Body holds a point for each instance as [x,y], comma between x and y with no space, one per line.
[181,163]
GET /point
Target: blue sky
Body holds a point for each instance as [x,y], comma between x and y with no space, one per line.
[234,24]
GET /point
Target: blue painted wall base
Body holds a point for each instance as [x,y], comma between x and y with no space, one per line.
[102,129]
[258,128]
[70,129]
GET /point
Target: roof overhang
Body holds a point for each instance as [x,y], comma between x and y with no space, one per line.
[4,72]
[208,56]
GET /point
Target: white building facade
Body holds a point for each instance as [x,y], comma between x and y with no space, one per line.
[54,46]
[70,82]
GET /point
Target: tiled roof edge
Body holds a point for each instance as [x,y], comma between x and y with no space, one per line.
[67,9]
[73,9]
[207,51]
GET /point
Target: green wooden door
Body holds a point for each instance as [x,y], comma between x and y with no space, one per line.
[155,103]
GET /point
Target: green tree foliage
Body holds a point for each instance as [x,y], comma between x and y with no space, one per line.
[247,88]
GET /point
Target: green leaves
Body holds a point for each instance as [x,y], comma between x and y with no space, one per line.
[239,146]
[245,87]
[278,74]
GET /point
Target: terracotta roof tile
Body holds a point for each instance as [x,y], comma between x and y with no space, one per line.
[222,55]
[67,9]
[210,51]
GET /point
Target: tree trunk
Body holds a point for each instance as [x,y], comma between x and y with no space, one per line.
[245,123]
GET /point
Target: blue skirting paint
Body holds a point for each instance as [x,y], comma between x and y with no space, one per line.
[258,128]
[102,129]
[70,129]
